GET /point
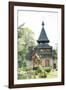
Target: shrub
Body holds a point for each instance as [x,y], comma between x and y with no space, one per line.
[40,69]
[35,68]
[43,74]
[22,75]
[47,70]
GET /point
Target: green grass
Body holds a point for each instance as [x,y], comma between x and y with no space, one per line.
[52,74]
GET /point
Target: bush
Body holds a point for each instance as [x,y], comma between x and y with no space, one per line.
[43,74]
[22,75]
[47,70]
[35,68]
[40,69]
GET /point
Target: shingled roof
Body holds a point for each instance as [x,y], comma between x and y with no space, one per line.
[43,37]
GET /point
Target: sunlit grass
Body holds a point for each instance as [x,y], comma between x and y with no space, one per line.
[52,74]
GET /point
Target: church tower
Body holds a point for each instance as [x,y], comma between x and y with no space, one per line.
[43,51]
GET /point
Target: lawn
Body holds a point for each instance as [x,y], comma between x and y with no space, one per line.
[52,74]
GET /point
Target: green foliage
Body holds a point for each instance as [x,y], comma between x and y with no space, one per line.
[24,41]
[40,72]
[47,69]
[24,73]
[43,74]
[55,53]
[40,69]
[55,58]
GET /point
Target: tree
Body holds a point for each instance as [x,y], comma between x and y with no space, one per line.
[55,58]
[55,54]
[25,40]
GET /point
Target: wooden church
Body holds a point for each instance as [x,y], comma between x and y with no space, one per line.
[42,53]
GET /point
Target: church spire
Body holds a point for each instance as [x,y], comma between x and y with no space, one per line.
[43,37]
[42,23]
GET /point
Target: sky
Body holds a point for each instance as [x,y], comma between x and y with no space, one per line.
[33,19]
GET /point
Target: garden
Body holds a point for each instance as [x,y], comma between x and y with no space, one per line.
[40,72]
